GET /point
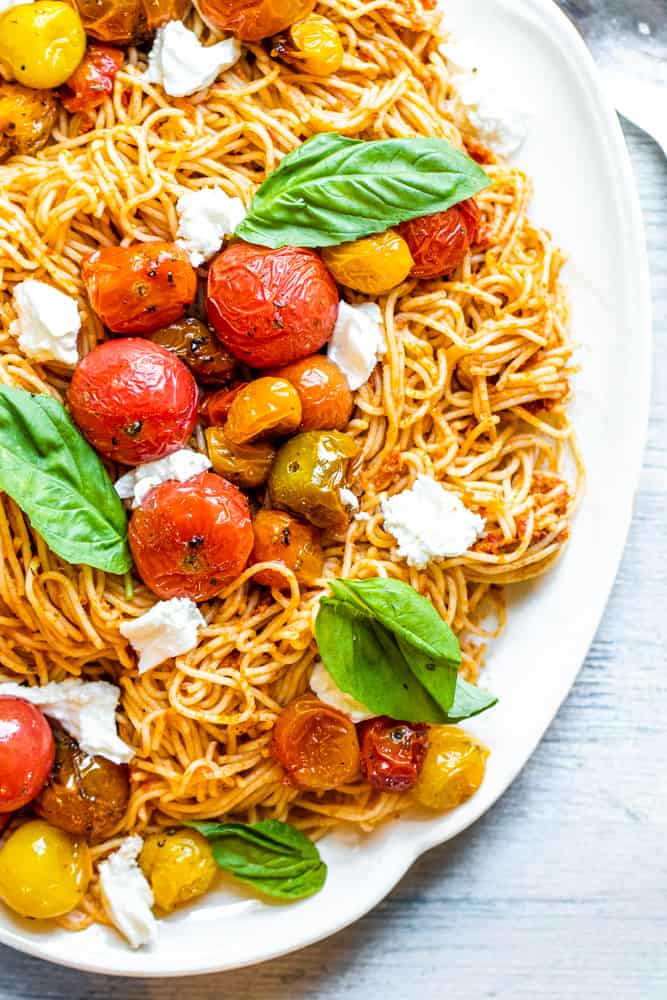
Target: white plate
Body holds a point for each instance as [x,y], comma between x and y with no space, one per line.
[586,196]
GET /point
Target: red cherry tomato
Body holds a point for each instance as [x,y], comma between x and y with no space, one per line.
[438,243]
[92,80]
[214,409]
[188,539]
[134,401]
[271,307]
[140,288]
[4,820]
[252,20]
[392,753]
[27,752]
[316,744]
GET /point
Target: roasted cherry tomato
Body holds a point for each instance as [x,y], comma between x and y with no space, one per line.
[453,768]
[42,43]
[252,20]
[373,265]
[27,117]
[326,400]
[215,408]
[316,744]
[312,45]
[392,753]
[92,80]
[271,307]
[308,475]
[128,22]
[86,796]
[44,872]
[188,539]
[195,345]
[140,288]
[27,752]
[282,539]
[133,400]
[247,465]
[267,407]
[179,865]
[438,243]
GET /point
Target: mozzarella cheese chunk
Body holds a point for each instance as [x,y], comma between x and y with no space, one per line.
[348,499]
[126,894]
[169,629]
[205,217]
[490,110]
[47,322]
[85,709]
[181,465]
[326,689]
[357,341]
[182,65]
[428,522]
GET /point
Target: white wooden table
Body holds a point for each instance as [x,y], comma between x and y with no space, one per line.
[560,892]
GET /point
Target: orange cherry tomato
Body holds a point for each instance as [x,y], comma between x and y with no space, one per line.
[92,80]
[282,539]
[326,400]
[392,753]
[140,288]
[134,401]
[252,20]
[438,243]
[128,22]
[271,307]
[27,752]
[267,407]
[215,407]
[197,347]
[316,744]
[188,539]
[247,465]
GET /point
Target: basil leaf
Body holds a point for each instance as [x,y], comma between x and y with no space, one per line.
[333,189]
[273,857]
[56,478]
[469,700]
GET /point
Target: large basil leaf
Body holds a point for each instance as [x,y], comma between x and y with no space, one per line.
[387,646]
[56,478]
[333,189]
[271,856]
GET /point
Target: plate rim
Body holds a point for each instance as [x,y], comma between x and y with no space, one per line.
[553,19]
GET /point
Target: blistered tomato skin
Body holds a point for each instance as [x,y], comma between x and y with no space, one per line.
[216,406]
[283,539]
[313,45]
[92,80]
[179,865]
[128,22]
[189,539]
[453,769]
[133,401]
[372,265]
[439,243]
[265,408]
[197,347]
[392,753]
[271,307]
[139,288]
[252,20]
[326,400]
[44,872]
[27,752]
[42,43]
[316,744]
[247,465]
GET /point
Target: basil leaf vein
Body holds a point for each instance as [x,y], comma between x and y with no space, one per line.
[333,189]
[59,482]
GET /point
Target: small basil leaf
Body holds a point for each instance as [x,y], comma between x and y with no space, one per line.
[297,887]
[469,700]
[333,189]
[59,482]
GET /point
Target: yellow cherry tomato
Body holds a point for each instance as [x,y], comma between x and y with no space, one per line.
[373,265]
[42,43]
[44,872]
[453,768]
[179,865]
[312,45]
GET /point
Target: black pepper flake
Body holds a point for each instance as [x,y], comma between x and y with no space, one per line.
[286,536]
[170,278]
[152,273]
[133,428]
[151,309]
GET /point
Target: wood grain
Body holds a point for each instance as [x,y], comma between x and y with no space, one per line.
[560,892]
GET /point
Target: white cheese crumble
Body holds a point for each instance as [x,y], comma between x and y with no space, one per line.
[348,499]
[47,322]
[500,124]
[126,894]
[357,341]
[85,709]
[326,689]
[169,629]
[205,217]
[428,522]
[182,65]
[181,465]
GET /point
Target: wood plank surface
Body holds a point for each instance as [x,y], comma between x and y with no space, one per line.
[560,892]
